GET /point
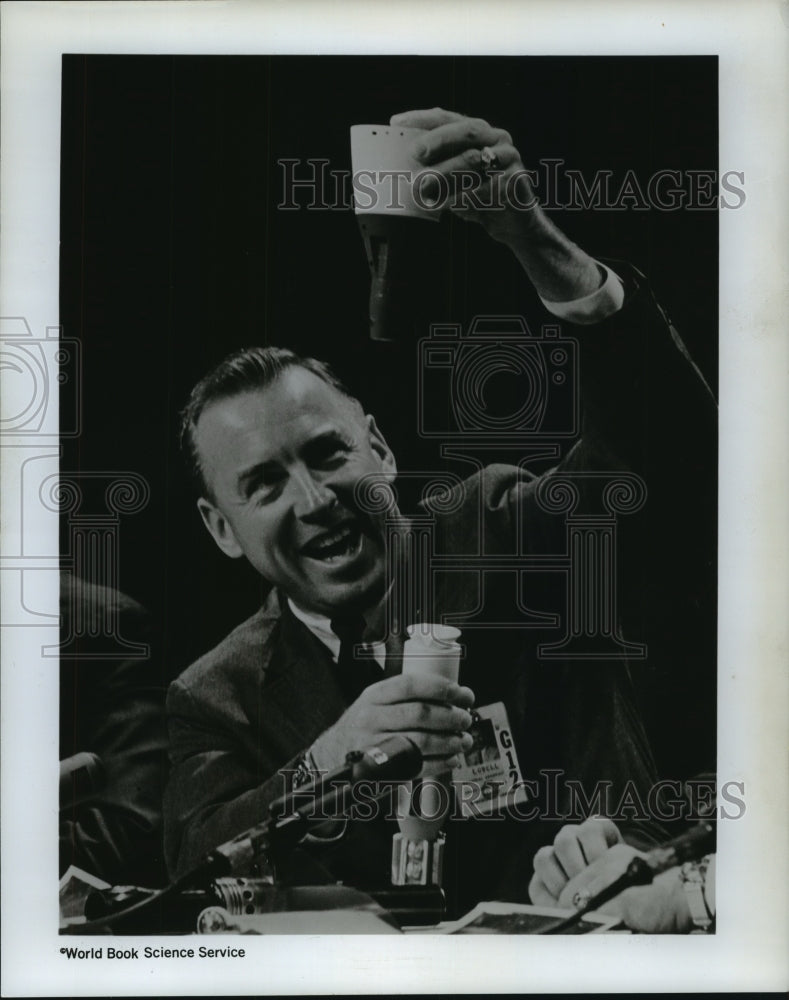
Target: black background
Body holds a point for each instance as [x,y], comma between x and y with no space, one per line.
[174,252]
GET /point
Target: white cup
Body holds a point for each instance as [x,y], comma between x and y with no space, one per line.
[386,175]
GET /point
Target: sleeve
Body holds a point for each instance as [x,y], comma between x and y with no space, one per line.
[595,307]
[644,408]
[648,412]
[218,786]
[645,404]
[618,725]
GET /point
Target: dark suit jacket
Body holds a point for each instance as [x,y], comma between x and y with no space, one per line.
[244,712]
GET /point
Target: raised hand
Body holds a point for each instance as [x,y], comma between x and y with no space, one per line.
[473,168]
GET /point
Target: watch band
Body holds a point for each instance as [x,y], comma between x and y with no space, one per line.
[693,874]
[305,773]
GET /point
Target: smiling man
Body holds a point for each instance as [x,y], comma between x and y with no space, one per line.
[282,491]
[278,448]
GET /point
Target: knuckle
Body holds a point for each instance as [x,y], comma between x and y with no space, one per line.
[424,711]
[543,858]
[365,697]
[596,823]
[409,682]
[395,717]
[475,127]
[432,743]
[460,718]
[470,158]
[567,835]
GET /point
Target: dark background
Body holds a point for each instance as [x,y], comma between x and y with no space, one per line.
[173,252]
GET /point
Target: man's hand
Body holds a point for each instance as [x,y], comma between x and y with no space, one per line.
[452,146]
[431,711]
[499,197]
[560,873]
[574,849]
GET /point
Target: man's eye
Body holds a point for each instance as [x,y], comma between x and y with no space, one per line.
[332,455]
[266,489]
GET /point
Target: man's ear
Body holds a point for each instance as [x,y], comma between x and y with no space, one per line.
[219,528]
[381,448]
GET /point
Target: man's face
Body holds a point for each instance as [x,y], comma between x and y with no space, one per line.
[282,463]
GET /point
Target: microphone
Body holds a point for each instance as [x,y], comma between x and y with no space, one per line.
[394,759]
[390,245]
[689,846]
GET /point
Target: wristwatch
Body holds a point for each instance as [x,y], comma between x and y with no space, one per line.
[693,876]
[306,773]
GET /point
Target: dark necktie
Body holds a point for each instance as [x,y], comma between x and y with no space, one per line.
[355,673]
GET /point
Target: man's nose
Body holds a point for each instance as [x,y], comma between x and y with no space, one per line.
[313,495]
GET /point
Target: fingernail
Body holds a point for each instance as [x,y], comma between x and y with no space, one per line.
[467,740]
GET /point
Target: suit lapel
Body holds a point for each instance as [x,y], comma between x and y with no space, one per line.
[301,697]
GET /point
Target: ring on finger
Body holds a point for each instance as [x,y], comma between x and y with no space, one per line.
[581,898]
[490,160]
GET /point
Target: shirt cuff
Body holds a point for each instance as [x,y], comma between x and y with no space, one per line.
[593,308]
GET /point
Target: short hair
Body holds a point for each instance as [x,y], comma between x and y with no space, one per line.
[242,371]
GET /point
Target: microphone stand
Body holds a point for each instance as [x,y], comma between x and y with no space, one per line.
[394,759]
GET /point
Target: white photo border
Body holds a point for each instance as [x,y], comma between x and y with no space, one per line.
[749,949]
